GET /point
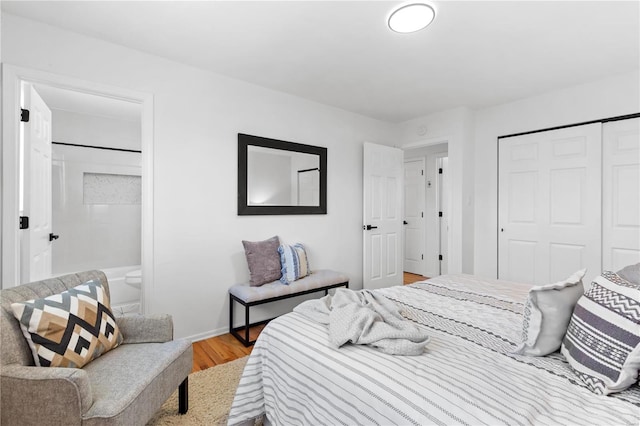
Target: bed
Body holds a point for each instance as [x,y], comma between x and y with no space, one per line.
[467,374]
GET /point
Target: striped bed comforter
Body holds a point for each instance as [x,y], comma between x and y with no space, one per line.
[467,374]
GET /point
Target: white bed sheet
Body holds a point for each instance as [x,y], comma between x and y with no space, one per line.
[467,375]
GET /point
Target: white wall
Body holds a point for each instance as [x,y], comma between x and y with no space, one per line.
[197,246]
[85,129]
[455,128]
[615,96]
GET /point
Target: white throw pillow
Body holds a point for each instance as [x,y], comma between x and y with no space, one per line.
[547,314]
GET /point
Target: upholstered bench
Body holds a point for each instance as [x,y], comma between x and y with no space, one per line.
[248,296]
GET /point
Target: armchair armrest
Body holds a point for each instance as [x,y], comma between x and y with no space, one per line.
[157,328]
[43,395]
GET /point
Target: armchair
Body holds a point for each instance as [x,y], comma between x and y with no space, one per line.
[124,386]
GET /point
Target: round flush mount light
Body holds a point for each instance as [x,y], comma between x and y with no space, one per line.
[411,17]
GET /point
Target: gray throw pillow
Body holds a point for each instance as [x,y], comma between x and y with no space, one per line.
[263,260]
[631,273]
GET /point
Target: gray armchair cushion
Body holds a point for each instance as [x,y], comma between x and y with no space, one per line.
[157,328]
[131,382]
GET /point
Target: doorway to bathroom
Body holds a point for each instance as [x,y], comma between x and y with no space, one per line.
[86,188]
[96,181]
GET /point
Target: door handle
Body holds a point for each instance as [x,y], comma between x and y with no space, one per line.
[369,227]
[404,222]
[53,236]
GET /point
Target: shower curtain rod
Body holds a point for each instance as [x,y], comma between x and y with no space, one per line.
[95,147]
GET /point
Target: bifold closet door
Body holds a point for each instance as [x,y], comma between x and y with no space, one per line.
[621,193]
[549,204]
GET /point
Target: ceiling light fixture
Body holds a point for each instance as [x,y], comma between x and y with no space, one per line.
[411,17]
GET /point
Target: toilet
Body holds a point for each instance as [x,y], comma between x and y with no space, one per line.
[134,278]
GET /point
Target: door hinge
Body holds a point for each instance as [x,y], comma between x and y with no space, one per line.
[439,257]
[24,115]
[440,171]
[24,222]
[422,256]
[439,214]
[421,214]
[422,172]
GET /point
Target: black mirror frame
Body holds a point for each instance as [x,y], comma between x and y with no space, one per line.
[244,141]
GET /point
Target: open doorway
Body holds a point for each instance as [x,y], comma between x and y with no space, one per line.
[426,210]
[89,183]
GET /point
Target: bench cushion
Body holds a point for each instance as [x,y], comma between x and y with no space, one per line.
[318,279]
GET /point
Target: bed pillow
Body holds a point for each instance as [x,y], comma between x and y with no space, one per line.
[71,328]
[263,260]
[295,263]
[602,343]
[631,273]
[547,313]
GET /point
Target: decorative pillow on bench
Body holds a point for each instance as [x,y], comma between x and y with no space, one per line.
[263,260]
[71,328]
[295,264]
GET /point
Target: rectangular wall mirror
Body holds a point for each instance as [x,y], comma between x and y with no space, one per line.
[280,178]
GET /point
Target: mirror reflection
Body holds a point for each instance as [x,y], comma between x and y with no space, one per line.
[282,178]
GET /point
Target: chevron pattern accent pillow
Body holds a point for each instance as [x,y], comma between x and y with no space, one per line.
[295,264]
[602,343]
[71,328]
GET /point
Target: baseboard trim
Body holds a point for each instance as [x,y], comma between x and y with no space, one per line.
[207,334]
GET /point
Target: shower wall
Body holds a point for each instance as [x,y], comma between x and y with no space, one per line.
[96,193]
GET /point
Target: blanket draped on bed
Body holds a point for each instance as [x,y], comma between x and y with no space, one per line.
[365,318]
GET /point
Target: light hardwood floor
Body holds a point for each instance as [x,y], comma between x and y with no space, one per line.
[220,349]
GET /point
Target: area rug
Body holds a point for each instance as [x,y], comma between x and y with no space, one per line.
[211,393]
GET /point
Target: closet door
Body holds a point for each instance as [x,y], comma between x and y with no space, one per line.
[620,193]
[549,213]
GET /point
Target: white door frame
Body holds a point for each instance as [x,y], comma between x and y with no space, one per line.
[10,249]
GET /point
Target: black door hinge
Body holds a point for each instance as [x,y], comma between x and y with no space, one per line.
[422,172]
[24,115]
[24,222]
[440,171]
[439,257]
[422,256]
[439,214]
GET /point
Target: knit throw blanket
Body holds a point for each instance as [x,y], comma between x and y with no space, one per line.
[365,318]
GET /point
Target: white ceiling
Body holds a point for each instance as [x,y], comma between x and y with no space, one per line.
[340,53]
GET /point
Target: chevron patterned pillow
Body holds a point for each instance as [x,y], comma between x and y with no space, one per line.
[71,328]
[602,343]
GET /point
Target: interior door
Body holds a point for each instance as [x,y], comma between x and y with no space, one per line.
[443,214]
[35,244]
[414,221]
[550,204]
[382,216]
[620,193]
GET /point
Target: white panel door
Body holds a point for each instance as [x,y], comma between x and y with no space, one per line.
[443,206]
[382,216]
[414,221]
[35,259]
[550,205]
[620,193]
